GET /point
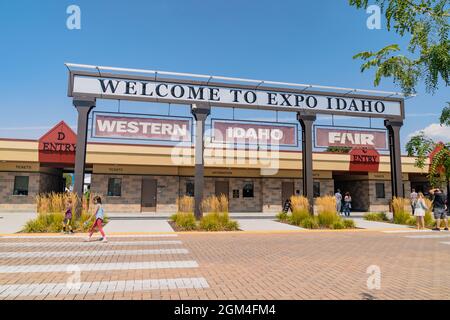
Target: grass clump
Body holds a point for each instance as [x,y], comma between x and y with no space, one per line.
[51,209]
[376,216]
[310,223]
[401,213]
[216,217]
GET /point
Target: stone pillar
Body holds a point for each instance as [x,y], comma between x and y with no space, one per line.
[83,107]
[200,113]
[306,122]
[393,128]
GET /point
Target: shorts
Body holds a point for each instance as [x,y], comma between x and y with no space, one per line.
[439,213]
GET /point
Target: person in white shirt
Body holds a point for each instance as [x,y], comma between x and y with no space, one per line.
[338,197]
[420,209]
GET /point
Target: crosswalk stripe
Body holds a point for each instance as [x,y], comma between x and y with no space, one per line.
[163,235]
[83,244]
[99,266]
[40,289]
[406,231]
[429,236]
[445,242]
[61,254]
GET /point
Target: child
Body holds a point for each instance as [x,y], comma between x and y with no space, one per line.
[68,217]
[99,216]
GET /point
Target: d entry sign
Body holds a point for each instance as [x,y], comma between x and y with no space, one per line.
[115,88]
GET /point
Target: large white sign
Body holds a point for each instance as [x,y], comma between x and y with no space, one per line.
[223,96]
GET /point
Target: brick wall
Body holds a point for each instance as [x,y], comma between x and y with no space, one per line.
[130,199]
[10,202]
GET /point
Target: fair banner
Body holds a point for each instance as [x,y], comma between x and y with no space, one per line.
[350,137]
[140,127]
[254,133]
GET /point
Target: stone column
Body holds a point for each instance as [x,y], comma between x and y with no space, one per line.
[200,113]
[393,128]
[306,122]
[83,107]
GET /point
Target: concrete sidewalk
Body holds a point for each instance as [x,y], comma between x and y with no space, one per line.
[152,225]
[13,222]
[264,225]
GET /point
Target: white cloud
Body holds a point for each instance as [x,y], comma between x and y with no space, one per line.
[435,131]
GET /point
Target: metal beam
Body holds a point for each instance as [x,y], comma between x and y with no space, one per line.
[200,113]
[307,122]
[83,107]
[393,128]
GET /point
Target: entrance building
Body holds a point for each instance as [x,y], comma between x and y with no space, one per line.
[137,178]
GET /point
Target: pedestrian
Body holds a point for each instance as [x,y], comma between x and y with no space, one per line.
[347,204]
[413,198]
[439,209]
[67,227]
[338,197]
[420,210]
[98,223]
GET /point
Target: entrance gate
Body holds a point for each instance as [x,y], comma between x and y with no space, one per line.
[88,83]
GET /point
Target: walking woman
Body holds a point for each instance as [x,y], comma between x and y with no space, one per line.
[347,204]
[98,223]
[420,210]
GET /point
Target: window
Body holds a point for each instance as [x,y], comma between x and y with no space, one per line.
[247,191]
[21,185]
[316,189]
[190,188]
[379,190]
[114,187]
[236,193]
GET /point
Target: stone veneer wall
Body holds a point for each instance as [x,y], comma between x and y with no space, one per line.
[381,204]
[130,199]
[272,188]
[10,202]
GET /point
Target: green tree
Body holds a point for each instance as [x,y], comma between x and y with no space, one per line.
[427,57]
[422,148]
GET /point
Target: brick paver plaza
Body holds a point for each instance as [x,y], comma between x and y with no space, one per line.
[290,265]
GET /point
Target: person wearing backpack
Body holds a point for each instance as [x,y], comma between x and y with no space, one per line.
[420,210]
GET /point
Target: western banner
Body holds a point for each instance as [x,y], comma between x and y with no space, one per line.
[254,133]
[129,126]
[348,137]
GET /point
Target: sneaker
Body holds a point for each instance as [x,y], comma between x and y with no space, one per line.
[446,229]
[436,229]
[88,239]
[104,240]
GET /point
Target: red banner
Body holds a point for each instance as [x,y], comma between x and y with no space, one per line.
[132,127]
[367,160]
[327,137]
[254,133]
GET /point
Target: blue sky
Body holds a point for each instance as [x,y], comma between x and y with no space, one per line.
[293,41]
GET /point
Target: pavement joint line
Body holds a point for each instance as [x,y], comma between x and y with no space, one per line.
[254,231]
[18,290]
[63,254]
[407,231]
[88,244]
[429,236]
[48,268]
[56,236]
